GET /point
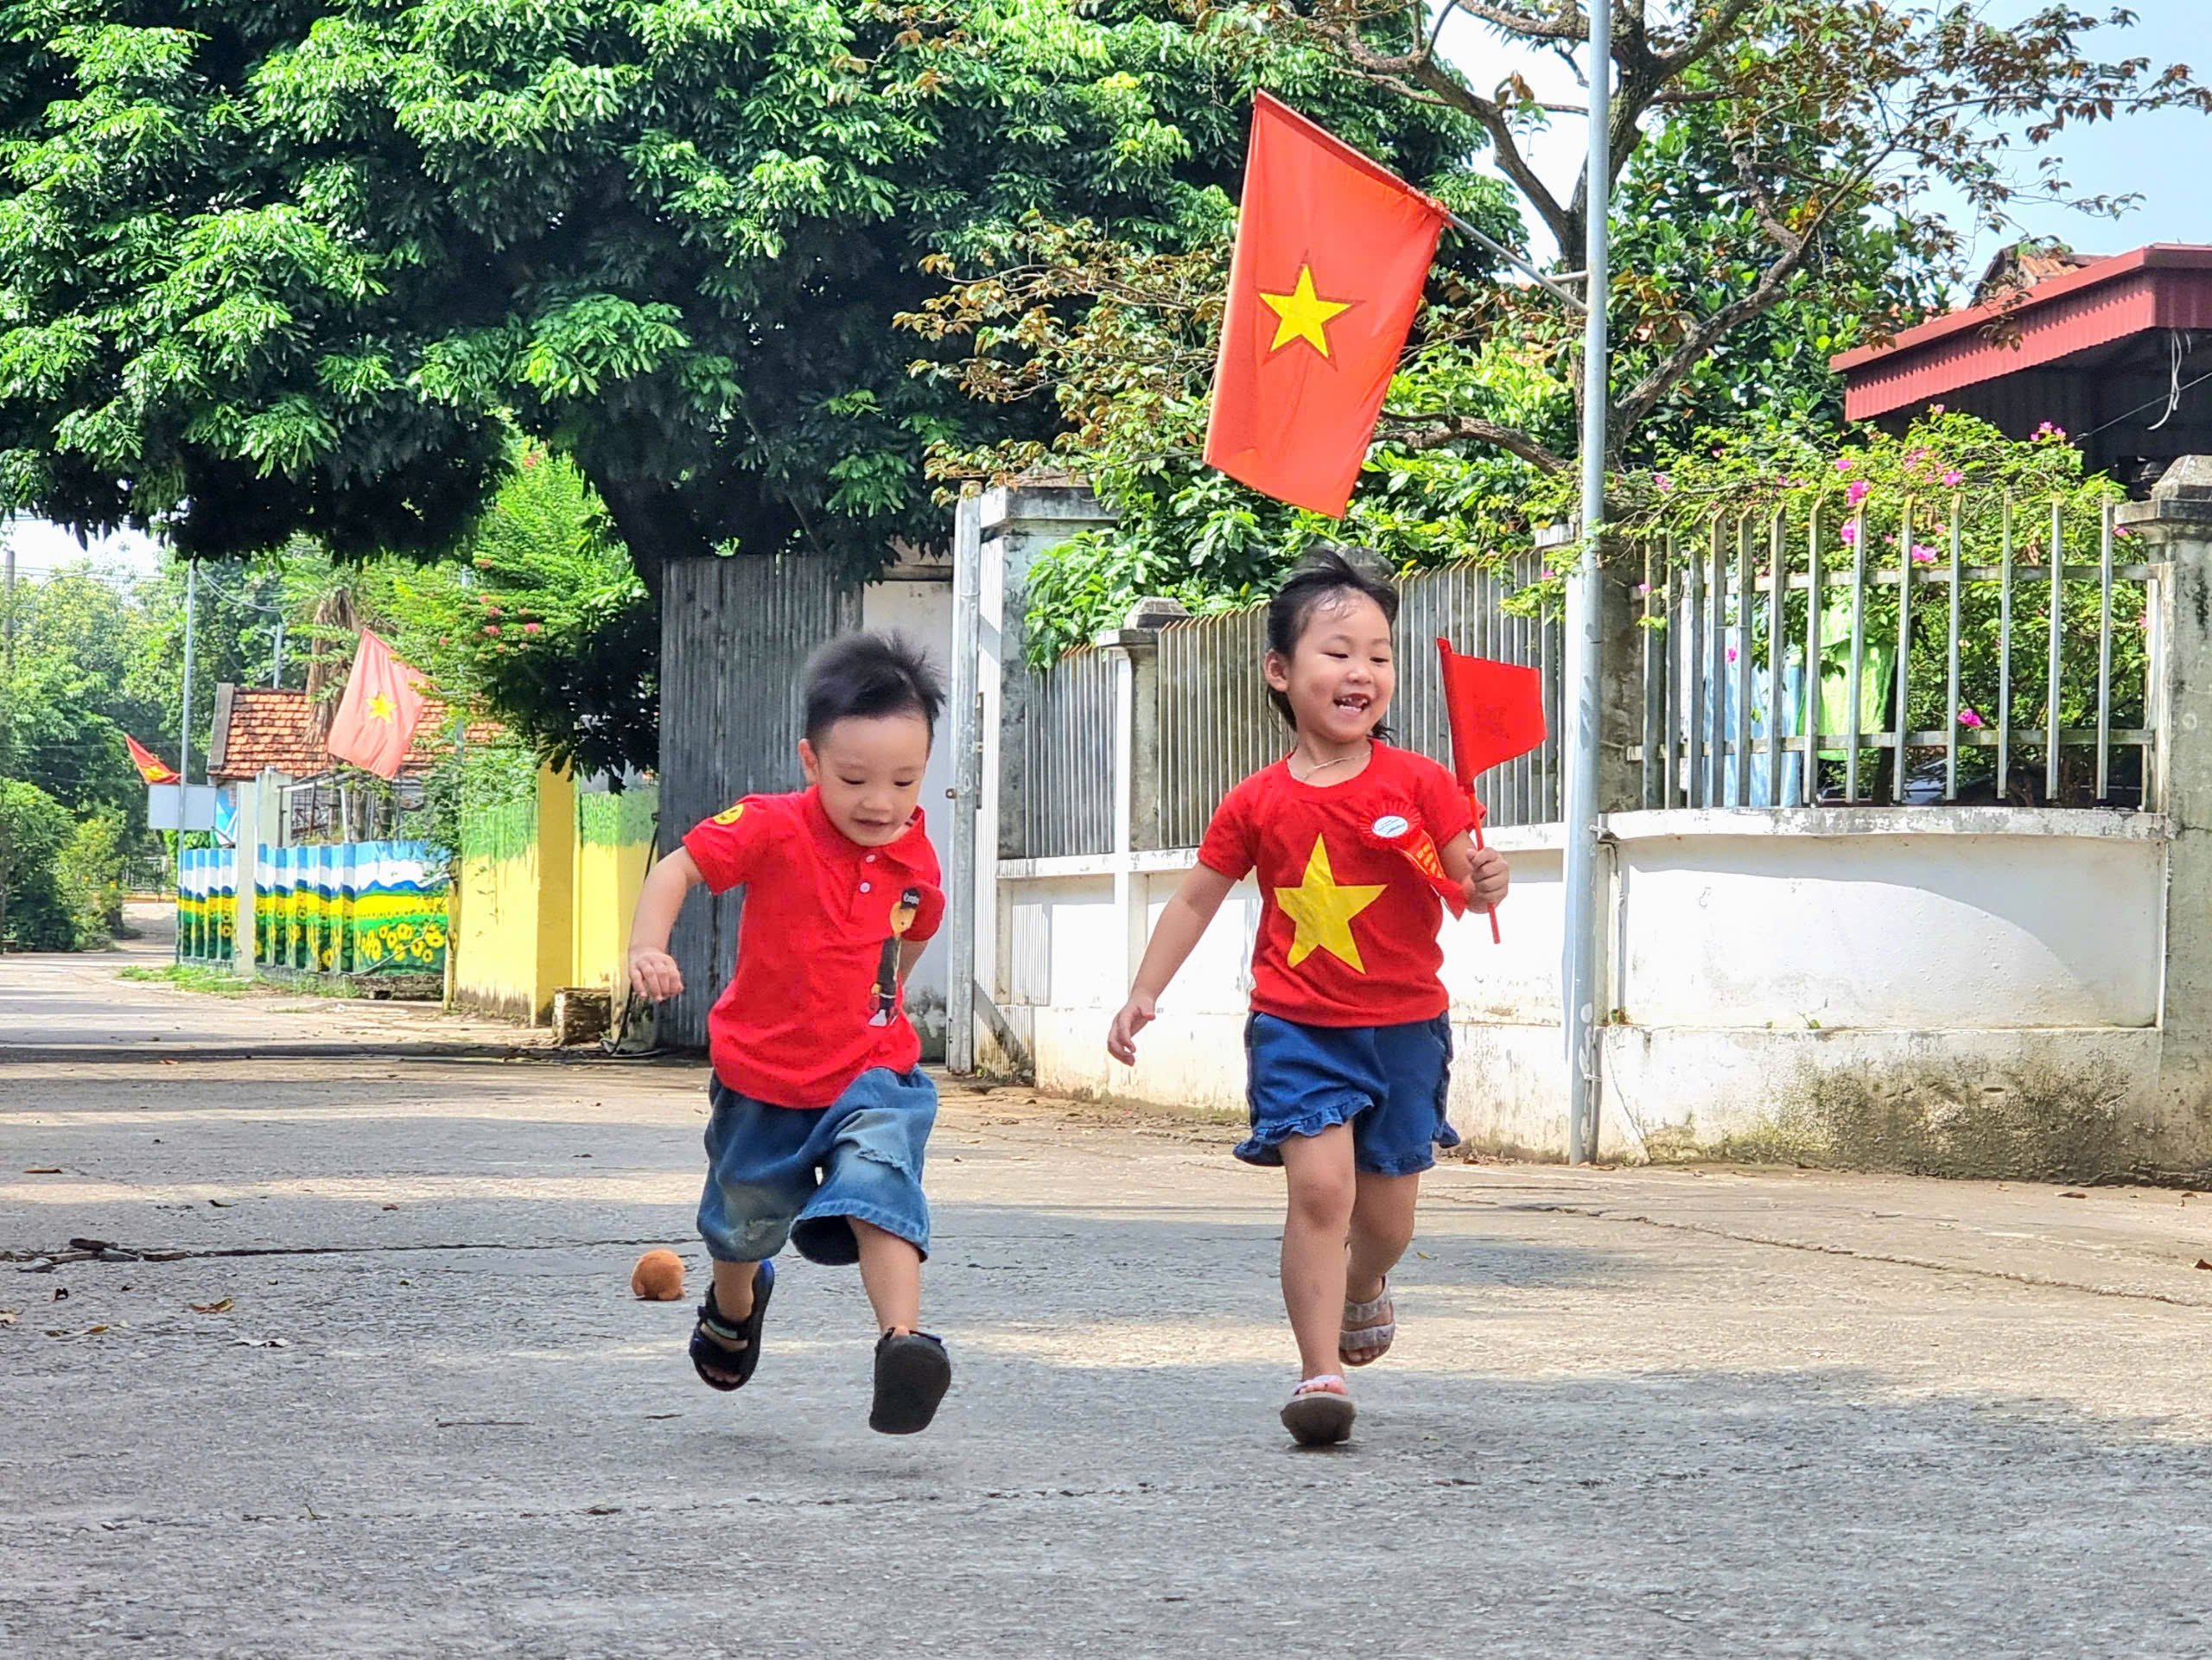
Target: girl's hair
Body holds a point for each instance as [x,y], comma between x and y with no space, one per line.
[1323,580]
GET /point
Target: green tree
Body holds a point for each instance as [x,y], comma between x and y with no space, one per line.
[278,267]
[35,828]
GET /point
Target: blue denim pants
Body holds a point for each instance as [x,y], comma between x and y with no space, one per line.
[803,1174]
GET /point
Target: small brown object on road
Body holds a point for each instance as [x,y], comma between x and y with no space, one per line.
[658,1276]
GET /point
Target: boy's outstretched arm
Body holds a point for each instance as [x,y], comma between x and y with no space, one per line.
[653,972]
[1182,925]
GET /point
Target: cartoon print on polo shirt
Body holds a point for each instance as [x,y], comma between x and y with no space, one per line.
[886,988]
[1322,910]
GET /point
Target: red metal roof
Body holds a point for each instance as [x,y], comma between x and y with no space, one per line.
[2166,285]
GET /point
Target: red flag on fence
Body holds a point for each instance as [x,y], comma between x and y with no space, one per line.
[1496,711]
[376,720]
[1331,252]
[150,767]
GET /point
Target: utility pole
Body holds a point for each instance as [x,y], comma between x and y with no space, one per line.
[184,732]
[1578,987]
[7,691]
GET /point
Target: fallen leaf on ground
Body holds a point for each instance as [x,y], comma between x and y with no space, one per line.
[7,1317]
[42,1169]
[62,1293]
[222,1307]
[2201,1262]
[2071,1195]
[222,1204]
[263,1343]
[391,1207]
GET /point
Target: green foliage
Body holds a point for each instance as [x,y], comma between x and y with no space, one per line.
[274,269]
[88,878]
[35,828]
[546,627]
[201,976]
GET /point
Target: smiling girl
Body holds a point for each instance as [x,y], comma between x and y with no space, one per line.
[1348,1045]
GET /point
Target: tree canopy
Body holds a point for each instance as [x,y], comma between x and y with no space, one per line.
[1773,165]
[269,267]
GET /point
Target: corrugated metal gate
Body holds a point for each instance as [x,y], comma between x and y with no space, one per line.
[735,633]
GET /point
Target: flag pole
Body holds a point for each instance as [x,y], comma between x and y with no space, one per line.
[1579,981]
[1512,258]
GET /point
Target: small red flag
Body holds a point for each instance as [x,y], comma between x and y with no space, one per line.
[375,724]
[150,767]
[1331,252]
[1496,711]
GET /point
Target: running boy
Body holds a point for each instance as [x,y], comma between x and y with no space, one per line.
[820,1111]
[1348,1045]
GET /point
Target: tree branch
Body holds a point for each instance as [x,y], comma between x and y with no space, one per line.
[1467,428]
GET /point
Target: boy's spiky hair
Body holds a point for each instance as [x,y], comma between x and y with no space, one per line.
[861,675]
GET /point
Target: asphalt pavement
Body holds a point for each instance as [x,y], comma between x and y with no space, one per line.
[359,1374]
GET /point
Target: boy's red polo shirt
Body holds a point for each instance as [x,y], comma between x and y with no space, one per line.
[1348,936]
[808,1009]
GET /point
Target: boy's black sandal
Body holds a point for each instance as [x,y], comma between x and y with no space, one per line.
[913,1373]
[727,1363]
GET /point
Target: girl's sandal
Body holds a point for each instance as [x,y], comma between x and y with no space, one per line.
[1369,1329]
[724,1352]
[1319,1412]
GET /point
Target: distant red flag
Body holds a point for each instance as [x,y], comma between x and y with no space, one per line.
[150,767]
[375,724]
[1332,253]
[1496,711]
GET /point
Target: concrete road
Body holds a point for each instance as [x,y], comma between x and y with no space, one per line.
[1677,1412]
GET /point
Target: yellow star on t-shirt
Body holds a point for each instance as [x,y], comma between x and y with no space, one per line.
[381,708]
[1322,911]
[1303,313]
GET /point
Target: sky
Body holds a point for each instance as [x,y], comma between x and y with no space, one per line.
[2163,157]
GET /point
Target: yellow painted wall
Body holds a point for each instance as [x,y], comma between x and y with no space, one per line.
[547,887]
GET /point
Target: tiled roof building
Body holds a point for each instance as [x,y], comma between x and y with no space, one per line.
[258,727]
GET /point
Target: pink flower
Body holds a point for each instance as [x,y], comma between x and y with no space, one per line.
[1661,483]
[533,627]
[1850,531]
[1844,463]
[1858,491]
[1954,478]
[1922,554]
[1732,654]
[1544,576]
[1969,717]
[2051,430]
[492,628]
[1934,409]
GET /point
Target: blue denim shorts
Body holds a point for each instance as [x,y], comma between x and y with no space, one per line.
[803,1174]
[1387,1082]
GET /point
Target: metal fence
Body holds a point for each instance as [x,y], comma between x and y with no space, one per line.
[1218,727]
[1963,650]
[1067,758]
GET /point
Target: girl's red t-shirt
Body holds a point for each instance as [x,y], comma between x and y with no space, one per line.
[1348,931]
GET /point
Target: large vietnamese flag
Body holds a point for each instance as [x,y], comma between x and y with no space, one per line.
[1331,252]
[376,718]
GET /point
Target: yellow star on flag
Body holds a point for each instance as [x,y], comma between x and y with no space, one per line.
[1322,911]
[381,708]
[1303,314]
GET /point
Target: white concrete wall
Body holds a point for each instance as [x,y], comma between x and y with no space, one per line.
[1793,982]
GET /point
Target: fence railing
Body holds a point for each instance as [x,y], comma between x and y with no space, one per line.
[1067,755]
[1967,649]
[1211,724]
[1958,650]
[1216,725]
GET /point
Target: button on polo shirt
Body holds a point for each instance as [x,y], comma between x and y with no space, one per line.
[793,1027]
